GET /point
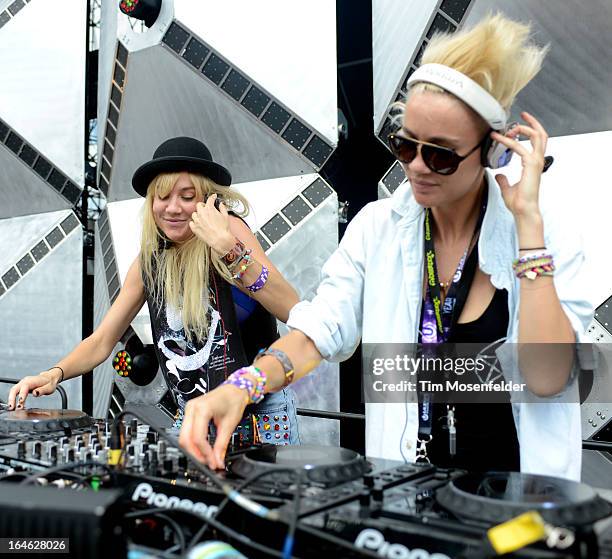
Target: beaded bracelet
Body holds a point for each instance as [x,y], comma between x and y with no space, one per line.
[255,390]
[260,281]
[245,261]
[519,266]
[532,266]
[283,359]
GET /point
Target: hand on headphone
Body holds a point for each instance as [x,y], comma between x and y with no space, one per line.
[522,198]
[211,225]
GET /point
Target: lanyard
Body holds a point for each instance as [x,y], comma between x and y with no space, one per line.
[438,319]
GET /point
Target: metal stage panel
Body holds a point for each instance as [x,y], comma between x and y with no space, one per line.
[164,98]
[400,32]
[187,76]
[104,373]
[41,312]
[18,235]
[109,17]
[571,95]
[29,183]
[397,31]
[42,90]
[288,47]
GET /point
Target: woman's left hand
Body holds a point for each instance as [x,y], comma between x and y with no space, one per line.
[522,198]
[212,226]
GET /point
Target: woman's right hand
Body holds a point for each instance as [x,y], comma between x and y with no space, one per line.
[40,385]
[224,406]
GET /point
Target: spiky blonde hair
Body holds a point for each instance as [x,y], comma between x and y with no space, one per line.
[497,53]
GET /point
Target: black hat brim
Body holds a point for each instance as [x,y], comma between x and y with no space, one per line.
[148,171]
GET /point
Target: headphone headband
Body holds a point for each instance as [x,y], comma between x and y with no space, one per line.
[465,89]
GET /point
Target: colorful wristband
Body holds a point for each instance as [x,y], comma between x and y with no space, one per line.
[255,389]
[260,281]
[531,266]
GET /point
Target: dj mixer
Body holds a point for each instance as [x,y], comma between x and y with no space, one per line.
[117,488]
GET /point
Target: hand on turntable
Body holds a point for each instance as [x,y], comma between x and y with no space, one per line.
[224,406]
[40,385]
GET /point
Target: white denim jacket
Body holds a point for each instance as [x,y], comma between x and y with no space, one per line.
[371,289]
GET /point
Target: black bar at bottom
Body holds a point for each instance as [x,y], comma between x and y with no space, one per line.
[597,445]
[330,414]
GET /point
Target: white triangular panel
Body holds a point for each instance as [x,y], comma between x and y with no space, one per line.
[287,47]
[42,89]
[397,28]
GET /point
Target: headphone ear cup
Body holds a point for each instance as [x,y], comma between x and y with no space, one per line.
[493,154]
[484,151]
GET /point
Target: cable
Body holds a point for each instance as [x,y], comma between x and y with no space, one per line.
[290,537]
[177,529]
[225,501]
[245,483]
[227,531]
[64,468]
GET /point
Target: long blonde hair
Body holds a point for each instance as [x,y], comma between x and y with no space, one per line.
[179,275]
[497,53]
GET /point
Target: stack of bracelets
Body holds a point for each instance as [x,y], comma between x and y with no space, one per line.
[255,389]
[534,264]
[238,260]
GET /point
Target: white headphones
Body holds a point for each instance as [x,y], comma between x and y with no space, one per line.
[494,154]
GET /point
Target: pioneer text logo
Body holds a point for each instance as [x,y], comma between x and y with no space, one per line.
[161,500]
[375,541]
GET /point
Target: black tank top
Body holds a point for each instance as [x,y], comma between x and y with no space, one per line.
[194,367]
[486,434]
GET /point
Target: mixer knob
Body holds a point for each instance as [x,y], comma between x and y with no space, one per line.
[37,449]
[168,465]
[364,498]
[53,453]
[145,460]
[377,493]
[368,480]
[21,449]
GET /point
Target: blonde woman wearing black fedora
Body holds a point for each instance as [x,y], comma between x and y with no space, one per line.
[212,293]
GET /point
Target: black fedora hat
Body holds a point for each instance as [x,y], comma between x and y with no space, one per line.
[180,154]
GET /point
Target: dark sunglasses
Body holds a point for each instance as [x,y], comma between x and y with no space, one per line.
[441,160]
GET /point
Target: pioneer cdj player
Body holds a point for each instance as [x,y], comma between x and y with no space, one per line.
[58,479]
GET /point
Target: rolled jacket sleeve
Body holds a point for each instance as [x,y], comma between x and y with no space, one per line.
[333,319]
